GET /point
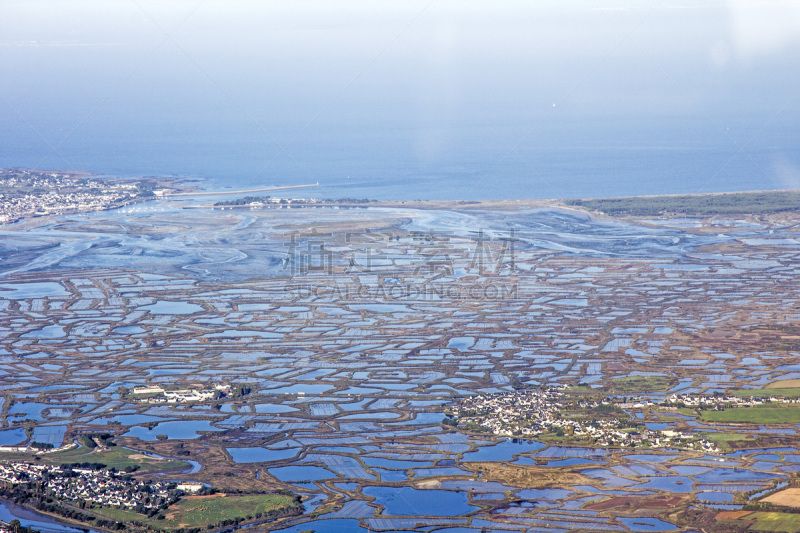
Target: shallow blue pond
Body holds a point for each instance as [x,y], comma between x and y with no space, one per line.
[301,473]
[543,494]
[128,330]
[720,475]
[646,524]
[677,484]
[461,343]
[715,497]
[274,408]
[406,501]
[47,332]
[174,430]
[127,420]
[391,475]
[650,458]
[299,388]
[10,437]
[503,451]
[261,455]
[395,463]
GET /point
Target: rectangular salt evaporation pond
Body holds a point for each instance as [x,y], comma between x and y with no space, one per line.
[461,343]
[646,524]
[675,484]
[49,435]
[299,388]
[11,437]
[395,464]
[406,501]
[560,452]
[272,408]
[372,416]
[301,474]
[261,455]
[650,458]
[734,475]
[173,430]
[244,333]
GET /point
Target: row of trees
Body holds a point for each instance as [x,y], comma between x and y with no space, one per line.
[697,205]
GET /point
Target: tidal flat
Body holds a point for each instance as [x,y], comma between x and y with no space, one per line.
[354,329]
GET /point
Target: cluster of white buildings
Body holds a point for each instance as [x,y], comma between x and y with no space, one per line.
[156,394]
[527,412]
[711,401]
[267,201]
[99,487]
[530,413]
[85,194]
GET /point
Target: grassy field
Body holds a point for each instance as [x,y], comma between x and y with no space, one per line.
[115,457]
[723,440]
[775,522]
[640,383]
[787,498]
[528,476]
[755,415]
[784,384]
[201,511]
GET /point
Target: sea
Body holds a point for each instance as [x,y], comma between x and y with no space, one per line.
[428,100]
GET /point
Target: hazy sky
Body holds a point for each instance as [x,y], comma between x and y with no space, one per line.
[510,76]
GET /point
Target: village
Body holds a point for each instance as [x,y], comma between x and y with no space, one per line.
[534,412]
[25,193]
[158,394]
[83,486]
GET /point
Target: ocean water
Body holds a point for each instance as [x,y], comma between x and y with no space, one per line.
[410,99]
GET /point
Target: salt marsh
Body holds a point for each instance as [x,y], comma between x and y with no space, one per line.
[351,368]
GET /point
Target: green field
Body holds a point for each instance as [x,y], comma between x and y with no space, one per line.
[723,440]
[115,457]
[755,415]
[788,522]
[201,511]
[640,384]
[755,203]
